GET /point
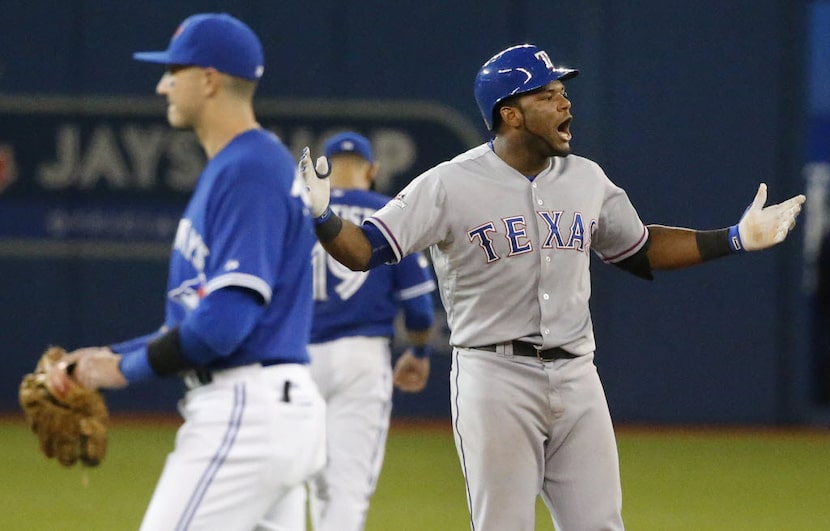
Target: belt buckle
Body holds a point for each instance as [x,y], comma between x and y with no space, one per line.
[538,353]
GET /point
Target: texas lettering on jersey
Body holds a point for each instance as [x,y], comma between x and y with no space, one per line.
[574,237]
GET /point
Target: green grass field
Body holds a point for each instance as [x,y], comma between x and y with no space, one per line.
[673,480]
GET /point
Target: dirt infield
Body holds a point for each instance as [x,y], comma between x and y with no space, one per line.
[445,425]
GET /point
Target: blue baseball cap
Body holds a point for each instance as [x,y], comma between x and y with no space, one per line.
[215,40]
[349,142]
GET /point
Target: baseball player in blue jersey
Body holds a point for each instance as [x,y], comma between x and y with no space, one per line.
[239,305]
[510,225]
[354,314]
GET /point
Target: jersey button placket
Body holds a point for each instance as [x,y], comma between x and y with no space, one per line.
[547,259]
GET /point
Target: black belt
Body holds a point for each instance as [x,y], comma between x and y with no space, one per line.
[205,375]
[522,348]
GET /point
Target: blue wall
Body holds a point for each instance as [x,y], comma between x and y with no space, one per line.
[687,105]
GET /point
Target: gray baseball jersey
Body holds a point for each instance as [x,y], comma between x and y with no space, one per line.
[486,225]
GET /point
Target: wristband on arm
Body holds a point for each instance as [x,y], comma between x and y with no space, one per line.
[734,240]
[164,354]
[327,226]
[713,244]
[161,357]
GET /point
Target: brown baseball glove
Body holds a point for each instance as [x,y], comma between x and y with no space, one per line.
[70,427]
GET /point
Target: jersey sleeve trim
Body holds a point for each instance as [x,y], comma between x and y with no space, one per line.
[241,280]
[631,250]
[393,242]
[417,290]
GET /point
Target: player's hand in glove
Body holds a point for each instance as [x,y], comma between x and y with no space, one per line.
[411,373]
[70,425]
[94,368]
[316,181]
[762,227]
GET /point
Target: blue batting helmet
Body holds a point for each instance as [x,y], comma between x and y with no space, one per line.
[516,70]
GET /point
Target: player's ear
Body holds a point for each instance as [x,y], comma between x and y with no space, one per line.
[213,80]
[510,115]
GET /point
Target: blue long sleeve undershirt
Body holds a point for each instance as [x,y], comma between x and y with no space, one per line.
[215,329]
[382,252]
[419,313]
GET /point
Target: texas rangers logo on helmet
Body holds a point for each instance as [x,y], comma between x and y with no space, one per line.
[543,56]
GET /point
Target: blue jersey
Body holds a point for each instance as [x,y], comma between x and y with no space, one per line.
[247,226]
[362,303]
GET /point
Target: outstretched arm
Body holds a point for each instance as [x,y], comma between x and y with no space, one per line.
[676,248]
[759,228]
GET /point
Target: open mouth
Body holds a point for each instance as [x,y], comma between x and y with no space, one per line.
[564,130]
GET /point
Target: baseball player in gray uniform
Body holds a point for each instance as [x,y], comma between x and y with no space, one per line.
[510,225]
